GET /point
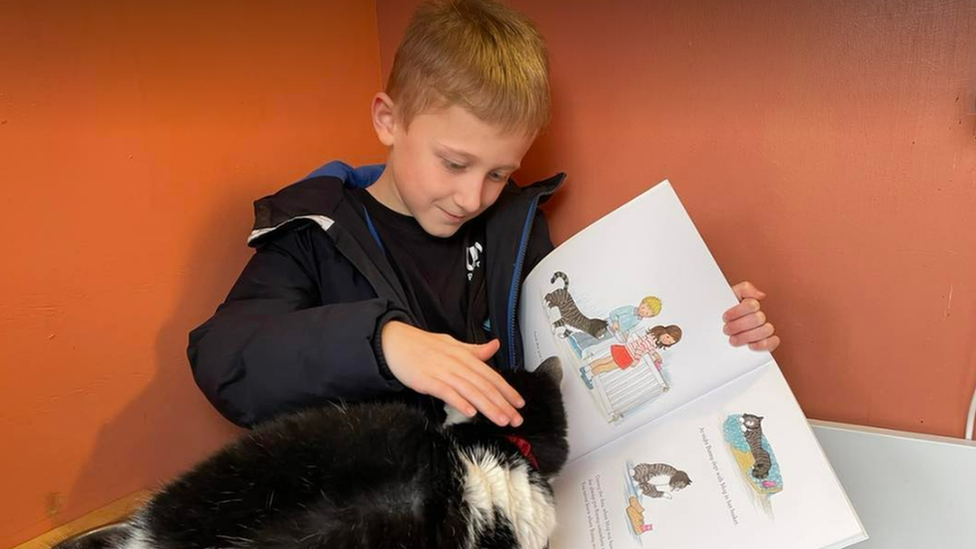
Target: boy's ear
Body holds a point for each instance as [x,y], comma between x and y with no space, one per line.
[384,120]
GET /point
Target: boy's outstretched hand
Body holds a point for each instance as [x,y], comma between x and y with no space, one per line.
[745,324]
[453,371]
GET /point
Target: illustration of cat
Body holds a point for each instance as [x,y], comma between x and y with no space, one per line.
[752,429]
[569,314]
[643,474]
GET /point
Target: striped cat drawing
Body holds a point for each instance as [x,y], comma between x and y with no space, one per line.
[652,477]
[752,430]
[569,314]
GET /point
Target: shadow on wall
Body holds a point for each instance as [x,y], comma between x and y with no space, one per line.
[131,451]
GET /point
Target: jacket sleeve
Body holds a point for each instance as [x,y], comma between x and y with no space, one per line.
[278,343]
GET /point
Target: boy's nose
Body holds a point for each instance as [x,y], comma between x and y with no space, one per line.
[468,197]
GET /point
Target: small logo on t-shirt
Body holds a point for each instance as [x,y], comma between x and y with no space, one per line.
[472,259]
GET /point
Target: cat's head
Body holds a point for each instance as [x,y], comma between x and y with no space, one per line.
[760,470]
[679,480]
[544,418]
[751,421]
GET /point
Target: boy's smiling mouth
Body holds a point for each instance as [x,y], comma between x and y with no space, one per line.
[452,217]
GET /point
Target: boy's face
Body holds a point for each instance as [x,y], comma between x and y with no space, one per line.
[446,168]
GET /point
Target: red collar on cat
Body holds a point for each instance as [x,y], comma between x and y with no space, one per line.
[524,447]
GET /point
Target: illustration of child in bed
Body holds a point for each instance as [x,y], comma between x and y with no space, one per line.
[624,356]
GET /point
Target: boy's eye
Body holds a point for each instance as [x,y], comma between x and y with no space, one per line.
[497,177]
[453,166]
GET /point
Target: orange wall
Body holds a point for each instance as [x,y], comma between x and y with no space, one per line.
[133,138]
[827,152]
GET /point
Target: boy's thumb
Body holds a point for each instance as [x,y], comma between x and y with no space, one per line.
[486,350]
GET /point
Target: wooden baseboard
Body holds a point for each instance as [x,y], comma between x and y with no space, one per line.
[112,512]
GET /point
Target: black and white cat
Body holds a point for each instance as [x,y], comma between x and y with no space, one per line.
[367,475]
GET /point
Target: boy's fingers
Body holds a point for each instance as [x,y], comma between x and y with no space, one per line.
[481,376]
[471,393]
[747,322]
[768,344]
[482,353]
[443,391]
[745,289]
[496,396]
[506,390]
[752,336]
[748,306]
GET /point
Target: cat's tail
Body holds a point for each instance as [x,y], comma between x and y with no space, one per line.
[560,275]
[110,536]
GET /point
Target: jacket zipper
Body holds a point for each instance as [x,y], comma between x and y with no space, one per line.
[520,258]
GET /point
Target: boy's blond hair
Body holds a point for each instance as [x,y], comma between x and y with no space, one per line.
[478,54]
[652,303]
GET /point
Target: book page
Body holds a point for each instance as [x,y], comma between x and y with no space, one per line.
[739,467]
[633,306]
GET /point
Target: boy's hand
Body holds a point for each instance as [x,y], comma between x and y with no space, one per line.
[746,324]
[455,372]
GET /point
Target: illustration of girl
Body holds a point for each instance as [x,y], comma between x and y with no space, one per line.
[624,356]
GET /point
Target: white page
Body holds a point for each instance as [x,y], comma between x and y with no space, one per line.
[800,504]
[648,247]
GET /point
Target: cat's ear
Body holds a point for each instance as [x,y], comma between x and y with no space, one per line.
[552,368]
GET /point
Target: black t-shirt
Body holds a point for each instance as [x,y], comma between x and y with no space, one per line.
[443,277]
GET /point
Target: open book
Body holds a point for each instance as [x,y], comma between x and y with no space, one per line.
[677,439]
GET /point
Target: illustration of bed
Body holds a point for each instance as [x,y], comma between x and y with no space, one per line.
[622,392]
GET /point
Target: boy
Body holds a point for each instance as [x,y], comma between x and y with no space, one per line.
[401,281]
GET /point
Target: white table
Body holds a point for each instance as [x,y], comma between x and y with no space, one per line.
[909,490]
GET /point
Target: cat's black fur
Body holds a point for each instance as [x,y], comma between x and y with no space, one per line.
[365,475]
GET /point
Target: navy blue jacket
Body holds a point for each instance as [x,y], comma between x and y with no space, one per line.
[301,324]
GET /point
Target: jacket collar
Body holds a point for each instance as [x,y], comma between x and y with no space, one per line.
[317,196]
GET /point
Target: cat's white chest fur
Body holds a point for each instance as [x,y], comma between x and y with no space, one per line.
[661,481]
[489,485]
